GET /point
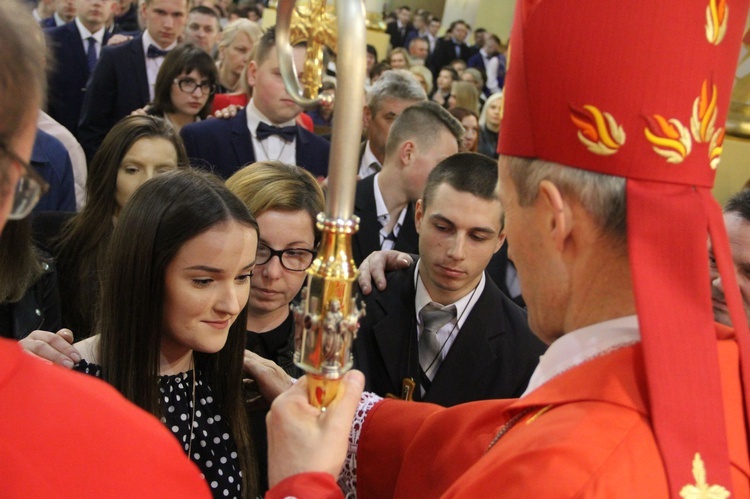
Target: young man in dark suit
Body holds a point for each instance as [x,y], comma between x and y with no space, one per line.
[483,348]
[422,136]
[76,47]
[450,48]
[265,130]
[125,75]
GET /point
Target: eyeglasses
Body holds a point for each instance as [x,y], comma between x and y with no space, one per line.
[188,85]
[31,186]
[294,259]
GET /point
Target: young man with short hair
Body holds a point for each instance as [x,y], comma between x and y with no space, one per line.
[265,130]
[483,348]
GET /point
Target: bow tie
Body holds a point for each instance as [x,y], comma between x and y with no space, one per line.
[154,52]
[264,131]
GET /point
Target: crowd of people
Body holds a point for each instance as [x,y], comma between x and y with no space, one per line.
[159,191]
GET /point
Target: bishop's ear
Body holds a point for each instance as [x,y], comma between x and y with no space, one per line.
[555,213]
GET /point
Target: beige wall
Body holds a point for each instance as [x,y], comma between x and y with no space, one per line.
[496,16]
[734,168]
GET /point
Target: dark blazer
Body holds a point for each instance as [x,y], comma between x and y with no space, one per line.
[118,87]
[493,355]
[225,146]
[39,308]
[445,53]
[67,80]
[48,22]
[397,39]
[367,238]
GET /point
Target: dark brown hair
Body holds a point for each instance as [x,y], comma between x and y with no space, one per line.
[81,249]
[164,214]
[182,60]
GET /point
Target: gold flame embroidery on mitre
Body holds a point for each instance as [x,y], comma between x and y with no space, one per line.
[670,139]
[717,14]
[597,130]
[702,490]
[715,148]
[704,113]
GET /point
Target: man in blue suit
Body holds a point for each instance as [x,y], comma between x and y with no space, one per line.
[124,78]
[265,130]
[76,47]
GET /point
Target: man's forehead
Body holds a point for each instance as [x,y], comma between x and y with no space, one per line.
[201,18]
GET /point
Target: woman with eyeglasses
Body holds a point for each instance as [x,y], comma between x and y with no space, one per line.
[285,200]
[184,88]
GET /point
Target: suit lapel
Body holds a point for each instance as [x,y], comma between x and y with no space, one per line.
[408,239]
[395,331]
[139,68]
[76,46]
[472,347]
[367,239]
[242,142]
[301,147]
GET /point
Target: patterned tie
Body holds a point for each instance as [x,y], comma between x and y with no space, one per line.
[153,52]
[91,53]
[433,318]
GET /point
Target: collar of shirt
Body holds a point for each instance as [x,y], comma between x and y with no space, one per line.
[463,309]
[147,40]
[382,211]
[85,34]
[582,345]
[58,20]
[276,148]
[153,63]
[368,158]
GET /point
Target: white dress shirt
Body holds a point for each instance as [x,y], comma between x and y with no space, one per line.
[384,217]
[274,147]
[86,34]
[366,163]
[153,64]
[579,346]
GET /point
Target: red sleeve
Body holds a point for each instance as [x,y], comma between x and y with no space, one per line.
[387,433]
[318,485]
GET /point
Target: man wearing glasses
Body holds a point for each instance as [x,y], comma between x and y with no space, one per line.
[43,456]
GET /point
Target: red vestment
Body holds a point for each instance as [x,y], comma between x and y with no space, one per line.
[584,433]
[66,434]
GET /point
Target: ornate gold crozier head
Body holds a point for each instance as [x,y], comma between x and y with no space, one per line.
[326,321]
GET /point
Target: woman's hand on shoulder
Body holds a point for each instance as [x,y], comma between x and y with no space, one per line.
[267,379]
[56,348]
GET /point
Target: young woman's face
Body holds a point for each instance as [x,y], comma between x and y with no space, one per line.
[186,102]
[471,132]
[274,286]
[145,158]
[494,111]
[206,286]
[398,61]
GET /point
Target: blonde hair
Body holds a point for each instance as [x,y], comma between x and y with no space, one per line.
[424,73]
[273,185]
[250,28]
[466,95]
